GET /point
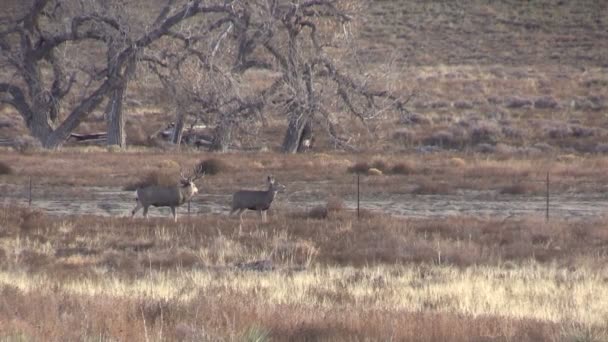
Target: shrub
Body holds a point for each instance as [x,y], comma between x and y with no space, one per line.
[462,104]
[516,102]
[319,212]
[212,166]
[380,165]
[153,178]
[559,131]
[334,204]
[580,131]
[601,148]
[415,119]
[404,136]
[485,148]
[5,169]
[432,188]
[484,133]
[441,139]
[402,168]
[360,167]
[545,102]
[515,189]
[27,144]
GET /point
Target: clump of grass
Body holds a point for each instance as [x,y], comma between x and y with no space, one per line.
[32,220]
[5,169]
[520,188]
[333,206]
[161,178]
[402,168]
[514,189]
[432,188]
[380,165]
[27,145]
[360,167]
[211,166]
[256,334]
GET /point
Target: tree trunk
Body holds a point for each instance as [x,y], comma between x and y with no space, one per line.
[293,135]
[178,129]
[40,128]
[222,136]
[114,112]
[115,118]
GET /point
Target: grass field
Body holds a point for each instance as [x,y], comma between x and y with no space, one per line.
[301,278]
[505,92]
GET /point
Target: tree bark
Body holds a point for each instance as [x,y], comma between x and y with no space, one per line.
[114,111]
[222,136]
[40,128]
[115,117]
[293,135]
[178,129]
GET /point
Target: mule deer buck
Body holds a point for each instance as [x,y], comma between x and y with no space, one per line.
[256,199]
[171,196]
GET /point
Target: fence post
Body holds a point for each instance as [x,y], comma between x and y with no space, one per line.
[358,195]
[547,196]
[29,193]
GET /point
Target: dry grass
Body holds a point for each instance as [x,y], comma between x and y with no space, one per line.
[333,279]
[456,171]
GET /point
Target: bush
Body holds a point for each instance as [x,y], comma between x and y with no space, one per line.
[5,169]
[404,136]
[211,166]
[153,178]
[360,167]
[516,102]
[545,102]
[402,168]
[432,188]
[484,133]
[380,165]
[334,205]
[515,189]
[27,144]
[441,139]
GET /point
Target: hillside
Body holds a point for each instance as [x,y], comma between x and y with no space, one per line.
[506,77]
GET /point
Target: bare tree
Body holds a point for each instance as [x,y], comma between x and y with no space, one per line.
[202,61]
[292,39]
[38,41]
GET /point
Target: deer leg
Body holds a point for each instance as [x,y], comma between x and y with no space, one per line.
[241,211]
[174,214]
[264,213]
[146,212]
[137,207]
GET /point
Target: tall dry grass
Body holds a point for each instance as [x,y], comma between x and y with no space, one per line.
[336,278]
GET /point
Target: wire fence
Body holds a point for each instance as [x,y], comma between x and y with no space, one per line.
[547,202]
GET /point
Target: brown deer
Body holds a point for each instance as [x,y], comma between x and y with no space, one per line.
[259,200]
[166,196]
